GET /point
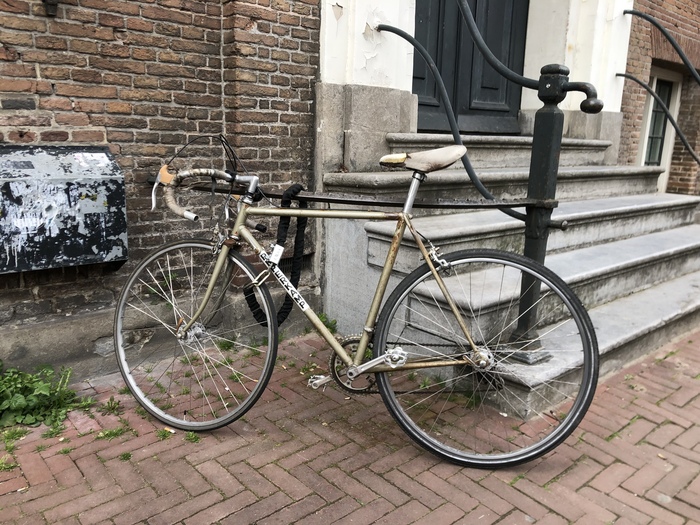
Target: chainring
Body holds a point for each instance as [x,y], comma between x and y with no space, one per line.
[364,384]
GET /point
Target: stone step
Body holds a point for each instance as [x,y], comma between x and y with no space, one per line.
[591,222]
[605,272]
[572,183]
[504,151]
[639,323]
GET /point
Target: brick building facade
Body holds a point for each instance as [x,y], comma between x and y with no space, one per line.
[143,79]
[648,51]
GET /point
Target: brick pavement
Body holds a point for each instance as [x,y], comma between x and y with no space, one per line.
[304,456]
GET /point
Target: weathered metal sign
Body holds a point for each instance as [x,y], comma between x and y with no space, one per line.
[60,206]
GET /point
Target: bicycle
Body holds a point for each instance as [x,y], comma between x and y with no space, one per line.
[483,357]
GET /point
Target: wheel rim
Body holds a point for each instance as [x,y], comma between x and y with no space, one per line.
[508,412]
[211,375]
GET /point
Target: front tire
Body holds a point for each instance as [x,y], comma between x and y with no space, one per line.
[212,375]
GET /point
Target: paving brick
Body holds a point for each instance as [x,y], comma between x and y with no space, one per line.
[215,513]
[157,476]
[514,498]
[612,477]
[333,512]
[260,509]
[580,473]
[75,506]
[295,512]
[349,485]
[548,499]
[418,491]
[685,503]
[646,507]
[317,483]
[663,435]
[64,470]
[154,507]
[408,513]
[646,477]
[116,506]
[34,468]
[481,515]
[219,478]
[371,513]
[462,496]
[448,513]
[188,477]
[616,507]
[185,509]
[13,485]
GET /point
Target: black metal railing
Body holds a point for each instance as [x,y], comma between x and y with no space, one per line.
[693,72]
[552,88]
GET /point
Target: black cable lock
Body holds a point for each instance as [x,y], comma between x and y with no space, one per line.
[297,258]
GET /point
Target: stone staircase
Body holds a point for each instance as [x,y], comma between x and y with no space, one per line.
[630,253]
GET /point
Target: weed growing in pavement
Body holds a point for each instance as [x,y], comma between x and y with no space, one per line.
[163,433]
[31,399]
[54,431]
[112,433]
[11,436]
[125,456]
[111,407]
[192,437]
[5,464]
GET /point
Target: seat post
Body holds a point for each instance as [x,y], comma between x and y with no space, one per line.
[418,178]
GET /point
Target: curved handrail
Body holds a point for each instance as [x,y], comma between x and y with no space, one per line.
[653,21]
[450,113]
[669,116]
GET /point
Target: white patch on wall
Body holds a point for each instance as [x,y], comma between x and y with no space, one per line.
[60,206]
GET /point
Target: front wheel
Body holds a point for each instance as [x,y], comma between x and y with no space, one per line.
[211,375]
[519,391]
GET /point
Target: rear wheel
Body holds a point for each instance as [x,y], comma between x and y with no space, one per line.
[522,391]
[213,374]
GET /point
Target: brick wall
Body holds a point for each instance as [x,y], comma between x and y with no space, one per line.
[647,48]
[144,78]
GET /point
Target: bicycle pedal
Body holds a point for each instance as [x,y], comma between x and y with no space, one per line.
[318,381]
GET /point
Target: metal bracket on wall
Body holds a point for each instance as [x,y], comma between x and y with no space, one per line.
[51,7]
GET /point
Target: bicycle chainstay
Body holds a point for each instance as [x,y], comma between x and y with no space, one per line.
[491,378]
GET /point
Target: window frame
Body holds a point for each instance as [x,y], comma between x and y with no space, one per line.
[670,133]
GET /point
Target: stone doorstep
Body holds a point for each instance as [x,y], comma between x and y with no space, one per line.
[591,222]
[514,151]
[507,183]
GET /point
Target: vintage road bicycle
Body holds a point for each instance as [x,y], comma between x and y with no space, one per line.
[483,357]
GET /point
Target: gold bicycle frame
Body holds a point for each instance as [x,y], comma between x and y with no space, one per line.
[403,221]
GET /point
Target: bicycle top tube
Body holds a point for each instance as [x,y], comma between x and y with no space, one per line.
[421,163]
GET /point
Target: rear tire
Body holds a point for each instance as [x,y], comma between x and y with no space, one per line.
[500,412]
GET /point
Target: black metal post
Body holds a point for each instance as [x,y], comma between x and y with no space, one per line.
[542,185]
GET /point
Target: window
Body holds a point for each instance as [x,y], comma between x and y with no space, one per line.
[657,124]
[657,135]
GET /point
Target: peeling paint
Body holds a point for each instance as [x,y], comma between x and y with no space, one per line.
[60,206]
[337,11]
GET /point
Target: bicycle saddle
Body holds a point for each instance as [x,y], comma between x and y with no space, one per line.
[425,161]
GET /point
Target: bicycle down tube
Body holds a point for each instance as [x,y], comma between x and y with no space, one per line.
[403,221]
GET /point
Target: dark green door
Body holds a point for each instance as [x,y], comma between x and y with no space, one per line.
[484,102]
